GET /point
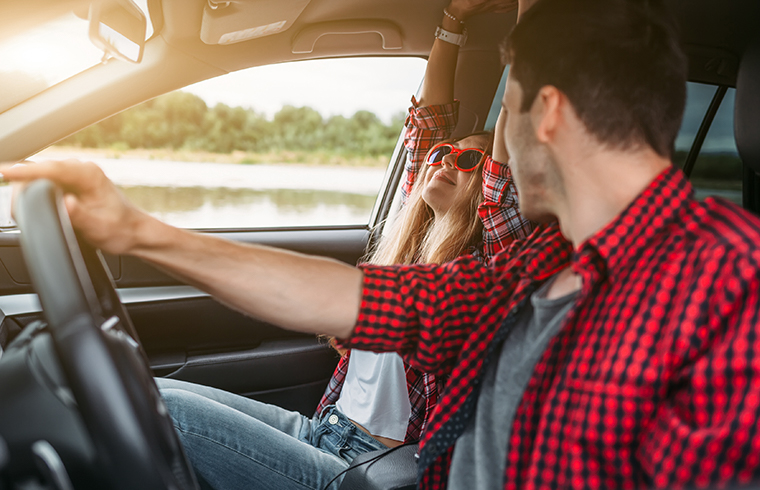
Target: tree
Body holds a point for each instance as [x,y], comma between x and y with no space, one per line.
[183,120]
[298,128]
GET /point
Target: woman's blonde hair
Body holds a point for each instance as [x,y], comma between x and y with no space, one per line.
[417,237]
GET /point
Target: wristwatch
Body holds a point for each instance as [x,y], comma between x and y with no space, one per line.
[450,37]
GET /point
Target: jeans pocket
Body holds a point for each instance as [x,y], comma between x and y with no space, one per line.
[362,442]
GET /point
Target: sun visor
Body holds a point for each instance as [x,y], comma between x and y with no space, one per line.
[230,22]
[747,106]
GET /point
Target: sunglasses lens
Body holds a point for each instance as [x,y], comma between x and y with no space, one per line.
[437,154]
[469,159]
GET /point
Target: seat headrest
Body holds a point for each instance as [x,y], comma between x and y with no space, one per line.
[747,106]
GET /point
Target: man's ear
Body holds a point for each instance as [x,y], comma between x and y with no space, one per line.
[546,112]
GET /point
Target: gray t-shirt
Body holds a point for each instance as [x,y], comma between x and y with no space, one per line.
[480,452]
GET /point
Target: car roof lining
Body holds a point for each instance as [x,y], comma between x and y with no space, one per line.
[714,33]
[410,22]
[705,24]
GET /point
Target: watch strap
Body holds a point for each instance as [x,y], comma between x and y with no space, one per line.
[451,37]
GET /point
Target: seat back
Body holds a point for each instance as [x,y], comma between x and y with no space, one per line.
[747,106]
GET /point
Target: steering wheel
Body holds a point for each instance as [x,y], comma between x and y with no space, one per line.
[97,346]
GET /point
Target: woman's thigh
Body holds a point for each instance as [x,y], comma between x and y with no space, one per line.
[231,446]
[291,423]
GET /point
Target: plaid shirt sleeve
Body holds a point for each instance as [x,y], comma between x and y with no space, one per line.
[419,311]
[425,127]
[502,221]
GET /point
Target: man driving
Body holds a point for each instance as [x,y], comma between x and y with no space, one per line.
[616,347]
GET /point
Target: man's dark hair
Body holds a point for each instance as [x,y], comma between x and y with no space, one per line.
[619,62]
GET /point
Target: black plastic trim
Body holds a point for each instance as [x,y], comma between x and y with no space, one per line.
[699,139]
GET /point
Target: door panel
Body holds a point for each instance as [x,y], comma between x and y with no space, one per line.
[188,335]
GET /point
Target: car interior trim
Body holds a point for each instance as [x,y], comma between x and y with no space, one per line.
[696,146]
[306,40]
[22,304]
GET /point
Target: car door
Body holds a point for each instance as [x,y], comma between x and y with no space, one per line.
[186,334]
[317,209]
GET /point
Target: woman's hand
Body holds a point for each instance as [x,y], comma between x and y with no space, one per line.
[438,84]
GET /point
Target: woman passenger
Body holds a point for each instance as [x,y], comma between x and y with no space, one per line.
[457,200]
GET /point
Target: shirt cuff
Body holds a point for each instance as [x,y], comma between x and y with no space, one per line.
[375,320]
[497,178]
[439,117]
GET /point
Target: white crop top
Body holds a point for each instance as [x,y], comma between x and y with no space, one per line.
[375,395]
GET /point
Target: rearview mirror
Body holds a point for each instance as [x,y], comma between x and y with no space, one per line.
[118,28]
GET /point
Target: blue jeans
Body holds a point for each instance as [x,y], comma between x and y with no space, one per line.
[235,442]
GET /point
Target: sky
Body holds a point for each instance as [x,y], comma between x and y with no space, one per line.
[380,85]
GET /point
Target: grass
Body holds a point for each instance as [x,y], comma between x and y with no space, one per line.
[239,157]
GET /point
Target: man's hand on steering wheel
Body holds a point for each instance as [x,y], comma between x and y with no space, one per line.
[96,207]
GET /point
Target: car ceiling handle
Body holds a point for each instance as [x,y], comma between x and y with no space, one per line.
[307,38]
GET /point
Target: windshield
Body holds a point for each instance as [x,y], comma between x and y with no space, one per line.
[46,55]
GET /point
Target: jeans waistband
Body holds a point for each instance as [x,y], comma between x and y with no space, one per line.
[337,421]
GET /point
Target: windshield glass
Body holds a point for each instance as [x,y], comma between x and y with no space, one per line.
[46,55]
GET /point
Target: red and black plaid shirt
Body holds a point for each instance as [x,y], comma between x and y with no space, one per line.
[654,377]
[425,127]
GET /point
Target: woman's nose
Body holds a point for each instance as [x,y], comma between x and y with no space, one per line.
[449,160]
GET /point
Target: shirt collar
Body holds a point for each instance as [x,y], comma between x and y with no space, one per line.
[632,231]
[551,257]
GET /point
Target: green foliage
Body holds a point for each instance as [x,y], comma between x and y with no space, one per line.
[181,120]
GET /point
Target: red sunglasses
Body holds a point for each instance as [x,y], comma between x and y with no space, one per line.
[465,160]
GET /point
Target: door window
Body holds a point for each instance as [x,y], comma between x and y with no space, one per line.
[289,145]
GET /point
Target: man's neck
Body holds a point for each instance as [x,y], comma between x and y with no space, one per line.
[599,186]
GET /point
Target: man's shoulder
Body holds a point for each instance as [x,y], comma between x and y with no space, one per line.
[725,238]
[544,245]
[721,224]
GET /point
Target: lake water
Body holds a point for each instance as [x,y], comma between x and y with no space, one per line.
[220,195]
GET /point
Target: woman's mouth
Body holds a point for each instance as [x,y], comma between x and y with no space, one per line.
[442,176]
